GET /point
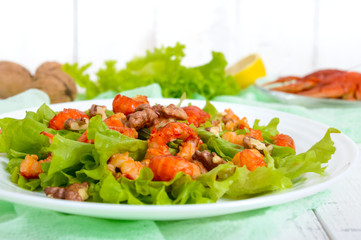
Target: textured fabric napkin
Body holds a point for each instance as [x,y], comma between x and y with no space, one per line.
[22,222]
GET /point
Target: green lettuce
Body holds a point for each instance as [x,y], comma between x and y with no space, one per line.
[269,130]
[180,190]
[223,148]
[108,142]
[234,182]
[162,66]
[23,136]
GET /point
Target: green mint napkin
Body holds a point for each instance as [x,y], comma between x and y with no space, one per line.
[22,222]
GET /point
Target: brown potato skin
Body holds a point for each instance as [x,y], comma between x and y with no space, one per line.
[14,79]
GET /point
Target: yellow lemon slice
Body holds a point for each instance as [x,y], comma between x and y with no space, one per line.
[247,70]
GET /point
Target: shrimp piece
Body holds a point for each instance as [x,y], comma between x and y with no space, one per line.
[122,165]
[233,138]
[157,144]
[116,122]
[166,167]
[243,123]
[196,115]
[238,139]
[57,122]
[145,162]
[284,140]
[257,134]
[232,121]
[252,158]
[30,167]
[127,105]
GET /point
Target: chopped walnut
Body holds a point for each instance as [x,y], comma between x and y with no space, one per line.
[216,129]
[98,110]
[172,111]
[252,143]
[74,192]
[77,192]
[158,115]
[142,118]
[55,192]
[158,108]
[209,160]
[76,124]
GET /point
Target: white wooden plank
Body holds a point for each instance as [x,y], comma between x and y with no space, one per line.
[281,31]
[341,215]
[36,31]
[203,26]
[339,38]
[305,226]
[114,30]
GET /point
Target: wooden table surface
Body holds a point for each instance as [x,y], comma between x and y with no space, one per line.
[338,218]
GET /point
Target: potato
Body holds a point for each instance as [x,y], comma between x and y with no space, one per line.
[14,79]
[50,78]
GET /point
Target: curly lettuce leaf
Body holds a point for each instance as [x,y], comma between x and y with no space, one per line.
[78,73]
[311,160]
[282,167]
[269,130]
[238,182]
[68,154]
[108,142]
[23,136]
[162,66]
[180,190]
[43,115]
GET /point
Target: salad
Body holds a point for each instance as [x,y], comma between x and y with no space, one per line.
[136,153]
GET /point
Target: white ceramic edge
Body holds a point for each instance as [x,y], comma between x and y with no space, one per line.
[176,212]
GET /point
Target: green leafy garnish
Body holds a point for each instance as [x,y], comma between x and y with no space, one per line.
[162,66]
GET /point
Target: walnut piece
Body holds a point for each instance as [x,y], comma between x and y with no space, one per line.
[209,160]
[172,111]
[158,115]
[252,143]
[55,192]
[76,124]
[142,118]
[98,110]
[74,192]
[216,129]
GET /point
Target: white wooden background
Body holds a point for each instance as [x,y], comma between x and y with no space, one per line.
[292,36]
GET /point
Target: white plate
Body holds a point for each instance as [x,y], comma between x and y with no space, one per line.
[304,131]
[311,102]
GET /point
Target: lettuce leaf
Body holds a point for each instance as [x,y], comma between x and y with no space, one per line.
[223,148]
[23,136]
[108,142]
[181,190]
[162,66]
[311,160]
[211,110]
[238,182]
[68,154]
[267,131]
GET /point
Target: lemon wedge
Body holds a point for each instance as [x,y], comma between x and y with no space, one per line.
[247,70]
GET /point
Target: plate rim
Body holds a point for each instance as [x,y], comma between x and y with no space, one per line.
[262,201]
[283,96]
